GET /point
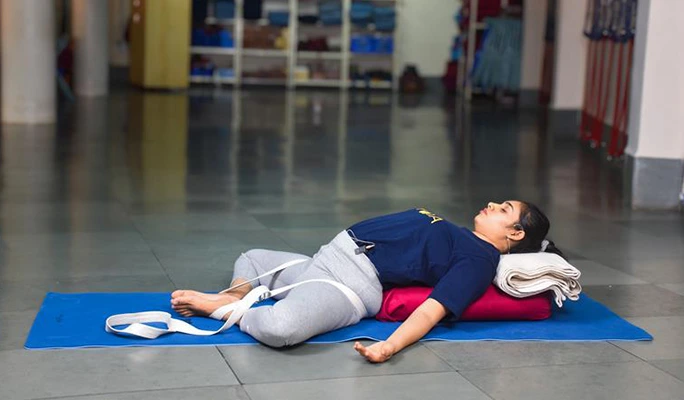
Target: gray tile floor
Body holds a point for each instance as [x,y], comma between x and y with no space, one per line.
[151,192]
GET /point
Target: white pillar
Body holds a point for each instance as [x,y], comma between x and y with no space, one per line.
[656,117]
[29,85]
[570,55]
[119,12]
[89,28]
[534,26]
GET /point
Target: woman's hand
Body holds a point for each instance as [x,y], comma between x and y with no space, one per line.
[377,352]
[426,316]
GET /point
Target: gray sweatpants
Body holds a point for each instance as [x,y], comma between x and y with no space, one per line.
[312,308]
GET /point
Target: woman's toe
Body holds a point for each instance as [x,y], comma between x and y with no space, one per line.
[179,293]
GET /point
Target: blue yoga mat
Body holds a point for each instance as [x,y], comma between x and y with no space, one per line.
[77,320]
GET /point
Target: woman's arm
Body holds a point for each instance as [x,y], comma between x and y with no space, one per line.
[419,323]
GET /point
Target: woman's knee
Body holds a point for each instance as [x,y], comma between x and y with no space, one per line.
[272,330]
[253,255]
[250,259]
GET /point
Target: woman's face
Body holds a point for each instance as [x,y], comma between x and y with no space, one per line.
[500,220]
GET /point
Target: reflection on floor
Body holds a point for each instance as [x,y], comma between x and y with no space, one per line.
[151,192]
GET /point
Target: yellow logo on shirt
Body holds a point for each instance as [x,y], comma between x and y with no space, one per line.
[435,217]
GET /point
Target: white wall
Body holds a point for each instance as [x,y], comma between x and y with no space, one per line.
[534,24]
[656,116]
[571,51]
[425,34]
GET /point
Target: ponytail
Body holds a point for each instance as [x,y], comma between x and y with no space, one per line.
[536,226]
[550,247]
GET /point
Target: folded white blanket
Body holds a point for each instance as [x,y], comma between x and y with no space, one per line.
[524,275]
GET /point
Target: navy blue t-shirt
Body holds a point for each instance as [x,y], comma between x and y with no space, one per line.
[419,248]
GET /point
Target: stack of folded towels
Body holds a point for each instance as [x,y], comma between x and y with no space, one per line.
[330,12]
[361,13]
[528,274]
[384,18]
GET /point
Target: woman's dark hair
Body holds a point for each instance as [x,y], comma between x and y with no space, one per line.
[536,225]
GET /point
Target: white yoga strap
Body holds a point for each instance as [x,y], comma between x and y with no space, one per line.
[271,272]
[137,321]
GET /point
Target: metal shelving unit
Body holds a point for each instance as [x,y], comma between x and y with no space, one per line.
[372,84]
[319,83]
[264,81]
[319,55]
[265,53]
[465,64]
[211,79]
[293,56]
[208,50]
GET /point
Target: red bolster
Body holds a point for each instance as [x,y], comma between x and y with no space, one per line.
[494,305]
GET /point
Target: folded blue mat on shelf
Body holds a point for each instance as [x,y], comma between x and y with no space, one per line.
[361,13]
[279,18]
[329,6]
[224,9]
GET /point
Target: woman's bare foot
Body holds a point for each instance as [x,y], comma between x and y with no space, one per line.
[185,293]
[193,303]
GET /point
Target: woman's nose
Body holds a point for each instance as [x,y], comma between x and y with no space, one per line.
[490,205]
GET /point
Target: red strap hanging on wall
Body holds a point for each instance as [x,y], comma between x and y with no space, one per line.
[620,125]
[589,77]
[603,96]
[617,109]
[623,27]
